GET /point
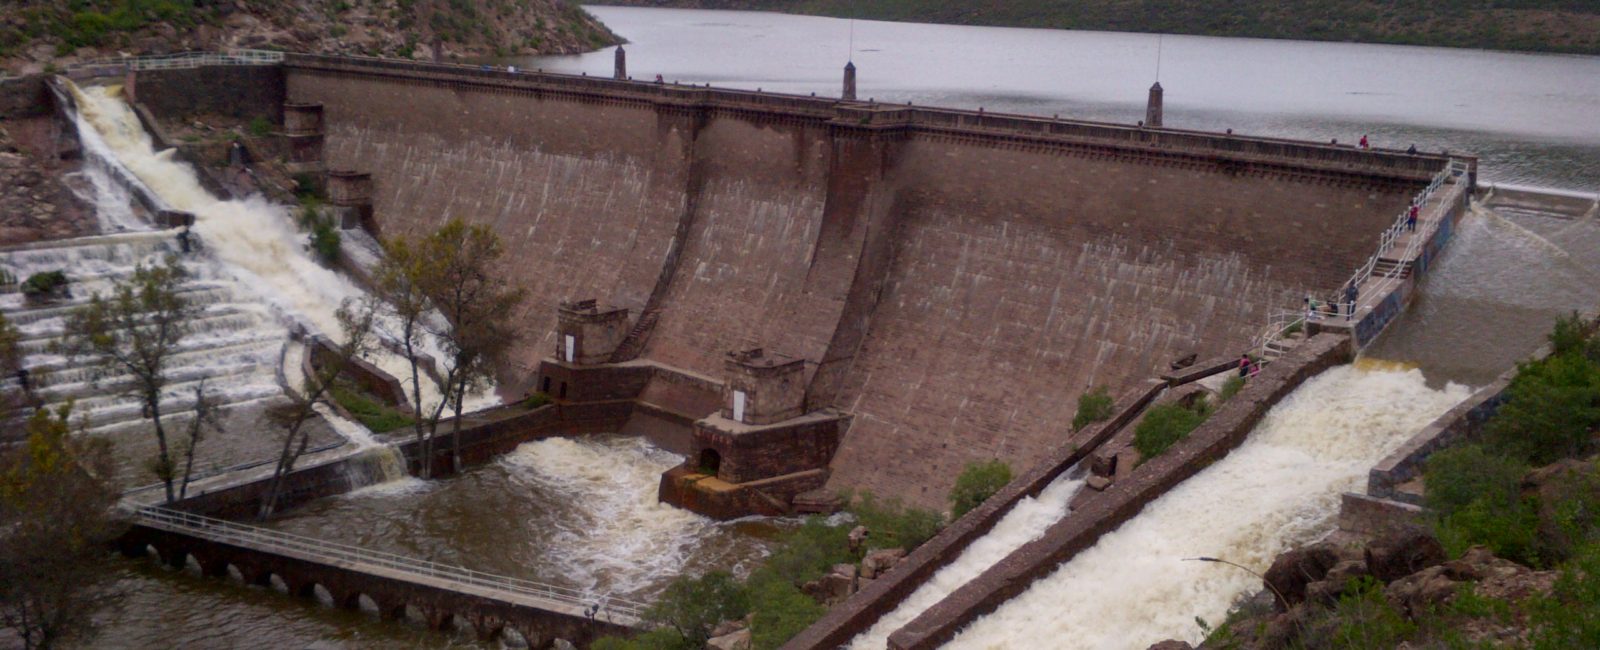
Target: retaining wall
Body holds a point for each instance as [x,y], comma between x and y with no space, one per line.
[1123,500]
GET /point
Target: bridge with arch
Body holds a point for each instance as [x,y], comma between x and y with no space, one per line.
[444,597]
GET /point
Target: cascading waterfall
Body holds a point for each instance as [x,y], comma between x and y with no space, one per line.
[254,239]
[1277,490]
[1026,522]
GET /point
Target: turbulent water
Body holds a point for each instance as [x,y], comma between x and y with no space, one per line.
[254,238]
[1489,300]
[579,513]
[1277,490]
[1026,522]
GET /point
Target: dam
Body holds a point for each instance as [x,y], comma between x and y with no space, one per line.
[946,282]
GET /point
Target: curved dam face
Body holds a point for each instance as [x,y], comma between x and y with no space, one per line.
[953,280]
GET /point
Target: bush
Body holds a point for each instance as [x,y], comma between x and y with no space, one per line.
[977,482]
[894,525]
[374,415]
[325,240]
[1568,335]
[1570,616]
[1476,498]
[536,400]
[1362,619]
[1164,425]
[260,126]
[1093,406]
[1231,387]
[44,284]
[694,606]
[781,611]
[1552,412]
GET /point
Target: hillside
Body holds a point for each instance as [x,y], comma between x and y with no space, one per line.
[34,35]
[1571,26]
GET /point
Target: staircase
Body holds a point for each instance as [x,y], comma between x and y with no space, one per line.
[633,344]
[1388,267]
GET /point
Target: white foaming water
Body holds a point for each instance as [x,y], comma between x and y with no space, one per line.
[1279,489]
[253,237]
[617,537]
[1025,523]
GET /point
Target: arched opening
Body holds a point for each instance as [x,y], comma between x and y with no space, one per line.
[367,605]
[545,386]
[322,595]
[563,394]
[710,462]
[236,574]
[277,583]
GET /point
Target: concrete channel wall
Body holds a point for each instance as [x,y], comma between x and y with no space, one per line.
[1123,500]
[863,609]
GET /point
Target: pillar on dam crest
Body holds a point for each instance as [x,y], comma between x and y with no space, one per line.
[1152,110]
[761,450]
[849,93]
[621,71]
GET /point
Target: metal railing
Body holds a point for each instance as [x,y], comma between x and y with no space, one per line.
[609,609]
[181,60]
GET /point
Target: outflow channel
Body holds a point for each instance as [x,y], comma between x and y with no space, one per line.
[1277,490]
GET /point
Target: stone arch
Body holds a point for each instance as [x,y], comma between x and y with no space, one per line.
[211,566]
[132,549]
[173,557]
[321,593]
[278,583]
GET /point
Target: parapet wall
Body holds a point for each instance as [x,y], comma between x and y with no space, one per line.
[954,279]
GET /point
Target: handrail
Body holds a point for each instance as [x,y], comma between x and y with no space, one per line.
[615,610]
[182,60]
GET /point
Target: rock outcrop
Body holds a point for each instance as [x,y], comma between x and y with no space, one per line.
[34,36]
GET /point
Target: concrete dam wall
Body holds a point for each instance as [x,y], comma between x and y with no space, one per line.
[954,280]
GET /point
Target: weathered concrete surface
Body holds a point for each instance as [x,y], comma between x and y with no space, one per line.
[854,616]
[1081,528]
[953,279]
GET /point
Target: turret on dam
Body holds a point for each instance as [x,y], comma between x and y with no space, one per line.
[951,281]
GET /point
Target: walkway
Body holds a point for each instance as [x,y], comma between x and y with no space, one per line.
[379,567]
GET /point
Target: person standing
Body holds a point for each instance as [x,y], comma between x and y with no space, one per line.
[1350,295]
[1244,365]
[1364,141]
[1411,218]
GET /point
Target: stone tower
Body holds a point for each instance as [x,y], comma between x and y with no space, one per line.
[849,94]
[1152,111]
[622,64]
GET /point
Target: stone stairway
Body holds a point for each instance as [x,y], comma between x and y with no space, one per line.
[633,344]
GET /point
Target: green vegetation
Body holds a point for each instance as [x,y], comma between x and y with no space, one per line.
[772,595]
[259,126]
[1093,406]
[45,284]
[1231,387]
[324,232]
[536,400]
[1571,26]
[1166,424]
[977,482]
[91,23]
[373,414]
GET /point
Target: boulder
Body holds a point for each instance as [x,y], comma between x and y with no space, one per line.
[857,537]
[739,640]
[1479,563]
[562,644]
[1403,553]
[1098,483]
[1517,586]
[1171,644]
[880,561]
[728,627]
[1415,593]
[1293,570]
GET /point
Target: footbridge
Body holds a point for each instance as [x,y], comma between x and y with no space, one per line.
[444,597]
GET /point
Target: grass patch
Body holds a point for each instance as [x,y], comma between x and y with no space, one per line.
[977,483]
[373,414]
[1093,406]
[1165,424]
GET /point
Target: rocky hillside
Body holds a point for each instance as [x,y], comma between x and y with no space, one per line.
[36,34]
[1535,25]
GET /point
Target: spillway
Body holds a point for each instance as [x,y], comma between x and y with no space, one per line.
[1277,490]
[1026,522]
[254,240]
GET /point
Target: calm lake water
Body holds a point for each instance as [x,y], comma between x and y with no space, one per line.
[1533,119]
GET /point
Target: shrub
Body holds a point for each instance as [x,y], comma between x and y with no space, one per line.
[1231,387]
[1164,425]
[693,606]
[977,482]
[325,241]
[1362,619]
[45,283]
[260,126]
[374,415]
[536,400]
[781,611]
[895,525]
[1552,412]
[1570,616]
[1568,334]
[1476,498]
[1093,406]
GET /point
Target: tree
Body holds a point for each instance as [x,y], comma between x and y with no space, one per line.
[694,606]
[55,519]
[977,482]
[477,307]
[396,284]
[205,416]
[355,319]
[134,332]
[448,272]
